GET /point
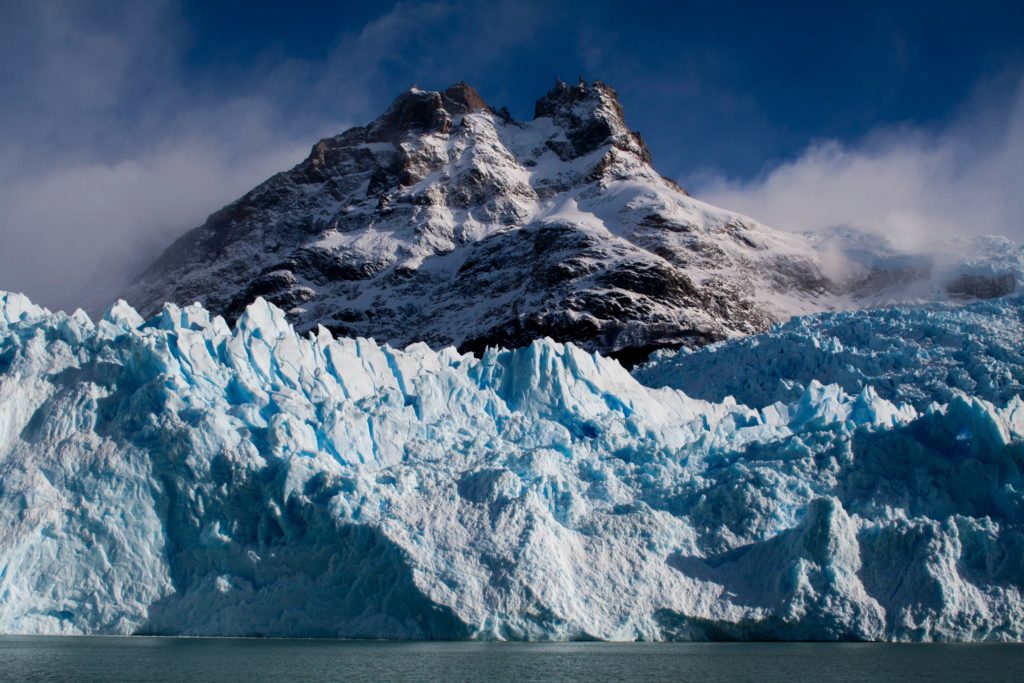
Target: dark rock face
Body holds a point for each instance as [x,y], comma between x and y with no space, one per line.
[591,117]
[418,111]
[969,286]
[447,222]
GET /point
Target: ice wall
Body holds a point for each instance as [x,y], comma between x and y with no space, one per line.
[912,354]
[176,476]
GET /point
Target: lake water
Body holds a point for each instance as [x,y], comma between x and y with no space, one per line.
[252,660]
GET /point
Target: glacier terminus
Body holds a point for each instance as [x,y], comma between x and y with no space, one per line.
[178,475]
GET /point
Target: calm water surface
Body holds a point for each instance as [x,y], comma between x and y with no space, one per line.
[194,659]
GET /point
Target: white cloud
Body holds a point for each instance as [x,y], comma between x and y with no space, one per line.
[909,184]
[81,232]
[107,153]
[109,149]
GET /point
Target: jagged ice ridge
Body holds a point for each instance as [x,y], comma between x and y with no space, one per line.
[177,476]
[911,354]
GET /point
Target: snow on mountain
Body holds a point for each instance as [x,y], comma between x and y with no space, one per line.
[447,222]
[177,476]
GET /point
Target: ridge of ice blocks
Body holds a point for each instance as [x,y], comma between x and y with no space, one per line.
[912,354]
[176,476]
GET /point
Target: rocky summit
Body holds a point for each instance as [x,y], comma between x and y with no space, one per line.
[446,221]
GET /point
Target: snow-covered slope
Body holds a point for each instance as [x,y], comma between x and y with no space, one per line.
[446,222]
[178,476]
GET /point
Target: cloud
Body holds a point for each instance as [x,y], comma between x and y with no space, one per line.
[111,144]
[88,228]
[107,152]
[910,184]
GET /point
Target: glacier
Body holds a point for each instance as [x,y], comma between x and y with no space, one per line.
[179,476]
[910,354]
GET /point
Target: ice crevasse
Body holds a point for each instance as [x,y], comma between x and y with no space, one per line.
[176,476]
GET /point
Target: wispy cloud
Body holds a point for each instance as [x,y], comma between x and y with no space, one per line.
[107,151]
[910,184]
[110,147]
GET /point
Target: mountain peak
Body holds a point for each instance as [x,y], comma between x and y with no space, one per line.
[464,98]
[592,116]
[417,110]
[564,96]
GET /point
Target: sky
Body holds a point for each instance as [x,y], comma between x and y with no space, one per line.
[123,124]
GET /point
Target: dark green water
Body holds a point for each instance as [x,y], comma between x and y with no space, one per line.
[188,659]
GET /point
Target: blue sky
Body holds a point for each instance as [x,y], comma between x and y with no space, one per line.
[728,86]
[125,123]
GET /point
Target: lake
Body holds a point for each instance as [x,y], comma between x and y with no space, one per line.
[33,658]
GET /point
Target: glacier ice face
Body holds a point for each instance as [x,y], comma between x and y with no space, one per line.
[177,476]
[910,354]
